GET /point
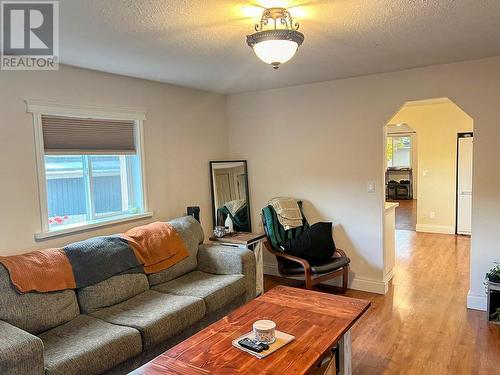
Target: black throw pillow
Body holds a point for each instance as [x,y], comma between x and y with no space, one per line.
[315,244]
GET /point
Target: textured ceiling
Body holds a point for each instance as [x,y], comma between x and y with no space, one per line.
[201,44]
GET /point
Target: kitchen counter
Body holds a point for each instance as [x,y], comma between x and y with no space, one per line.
[390,205]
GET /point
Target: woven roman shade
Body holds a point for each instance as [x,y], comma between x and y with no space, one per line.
[70,135]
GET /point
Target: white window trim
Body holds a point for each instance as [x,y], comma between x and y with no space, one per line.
[412,139]
[38,108]
[95,225]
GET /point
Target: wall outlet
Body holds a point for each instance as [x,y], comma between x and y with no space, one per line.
[432,215]
[371,187]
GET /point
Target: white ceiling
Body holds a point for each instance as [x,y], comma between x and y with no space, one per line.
[201,43]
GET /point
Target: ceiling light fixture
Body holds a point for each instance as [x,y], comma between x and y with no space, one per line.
[277,37]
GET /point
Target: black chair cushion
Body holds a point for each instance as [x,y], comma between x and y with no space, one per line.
[315,244]
[292,268]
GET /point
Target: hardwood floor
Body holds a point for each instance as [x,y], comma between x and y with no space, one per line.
[406,214]
[422,325]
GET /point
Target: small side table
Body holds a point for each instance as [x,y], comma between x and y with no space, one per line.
[250,241]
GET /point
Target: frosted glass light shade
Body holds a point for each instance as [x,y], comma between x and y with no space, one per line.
[275,52]
[275,46]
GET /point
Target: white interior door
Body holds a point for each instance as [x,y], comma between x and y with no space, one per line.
[223,189]
[464,191]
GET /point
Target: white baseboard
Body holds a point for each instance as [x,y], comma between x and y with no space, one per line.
[387,279]
[358,283]
[429,228]
[369,285]
[476,301]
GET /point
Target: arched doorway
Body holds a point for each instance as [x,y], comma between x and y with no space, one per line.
[422,173]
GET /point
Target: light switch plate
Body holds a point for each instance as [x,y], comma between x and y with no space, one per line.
[371,187]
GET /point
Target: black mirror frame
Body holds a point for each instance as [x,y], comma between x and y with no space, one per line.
[245,166]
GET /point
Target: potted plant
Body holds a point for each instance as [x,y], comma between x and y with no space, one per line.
[495,317]
[493,291]
[493,275]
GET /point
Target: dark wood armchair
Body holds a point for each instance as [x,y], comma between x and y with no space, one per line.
[289,265]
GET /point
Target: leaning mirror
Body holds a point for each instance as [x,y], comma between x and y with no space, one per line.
[229,180]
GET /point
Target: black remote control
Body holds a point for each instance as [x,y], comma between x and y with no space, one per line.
[264,346]
[251,344]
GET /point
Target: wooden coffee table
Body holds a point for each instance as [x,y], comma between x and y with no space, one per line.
[319,321]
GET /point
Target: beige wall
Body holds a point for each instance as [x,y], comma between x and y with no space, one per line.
[437,125]
[334,146]
[184,129]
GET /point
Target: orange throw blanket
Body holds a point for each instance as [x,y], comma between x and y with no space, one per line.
[40,271]
[157,246]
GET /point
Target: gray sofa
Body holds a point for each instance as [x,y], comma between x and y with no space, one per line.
[123,322]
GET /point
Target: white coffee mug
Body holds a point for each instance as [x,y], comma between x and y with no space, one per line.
[264,331]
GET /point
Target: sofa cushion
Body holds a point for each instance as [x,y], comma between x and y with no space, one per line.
[192,234]
[21,353]
[35,312]
[156,315]
[87,345]
[216,290]
[111,291]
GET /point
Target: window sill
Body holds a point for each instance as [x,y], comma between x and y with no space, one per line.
[86,227]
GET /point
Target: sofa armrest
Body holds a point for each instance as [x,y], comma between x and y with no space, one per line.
[20,352]
[225,260]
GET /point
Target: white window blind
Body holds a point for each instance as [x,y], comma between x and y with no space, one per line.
[79,136]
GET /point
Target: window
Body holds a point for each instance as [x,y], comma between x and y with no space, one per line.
[399,151]
[86,188]
[90,170]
